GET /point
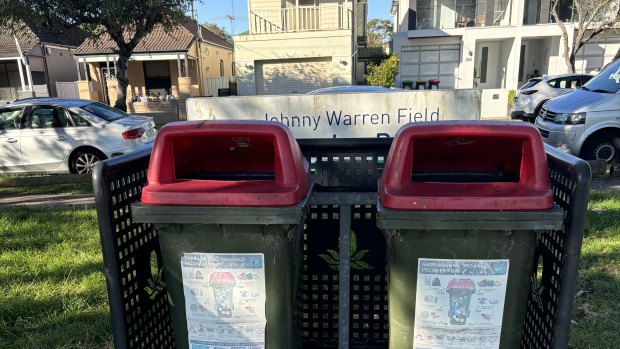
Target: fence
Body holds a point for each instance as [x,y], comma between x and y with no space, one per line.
[301,18]
[67,89]
[341,307]
[213,84]
[10,94]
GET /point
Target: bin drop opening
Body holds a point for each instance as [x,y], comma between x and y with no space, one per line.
[224,158]
[466,159]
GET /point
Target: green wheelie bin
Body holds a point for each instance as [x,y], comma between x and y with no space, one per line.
[461,205]
[228,200]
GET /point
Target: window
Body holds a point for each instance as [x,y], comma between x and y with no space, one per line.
[531,83]
[221,67]
[48,117]
[483,65]
[10,119]
[585,79]
[105,112]
[607,81]
[78,121]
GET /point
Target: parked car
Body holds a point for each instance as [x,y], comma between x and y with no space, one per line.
[352,89]
[530,97]
[67,135]
[586,121]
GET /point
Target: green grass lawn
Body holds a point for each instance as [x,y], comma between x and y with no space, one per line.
[597,308]
[52,288]
[53,293]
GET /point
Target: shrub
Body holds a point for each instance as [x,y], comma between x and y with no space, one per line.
[384,73]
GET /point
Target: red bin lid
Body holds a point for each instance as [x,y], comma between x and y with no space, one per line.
[226,163]
[466,165]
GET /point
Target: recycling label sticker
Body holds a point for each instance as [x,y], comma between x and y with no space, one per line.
[459,303]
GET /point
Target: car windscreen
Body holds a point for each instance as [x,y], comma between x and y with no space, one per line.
[607,81]
[530,83]
[105,112]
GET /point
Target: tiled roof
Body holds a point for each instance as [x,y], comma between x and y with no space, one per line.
[207,35]
[27,41]
[63,37]
[179,39]
[29,37]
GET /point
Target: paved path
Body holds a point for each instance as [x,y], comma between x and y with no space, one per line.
[48,200]
[613,185]
[88,201]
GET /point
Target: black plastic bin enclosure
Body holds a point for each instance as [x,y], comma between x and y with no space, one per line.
[138,292]
[462,205]
[230,226]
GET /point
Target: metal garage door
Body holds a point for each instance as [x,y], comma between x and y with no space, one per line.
[596,54]
[425,62]
[293,76]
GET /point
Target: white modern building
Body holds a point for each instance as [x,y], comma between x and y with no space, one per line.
[295,46]
[486,44]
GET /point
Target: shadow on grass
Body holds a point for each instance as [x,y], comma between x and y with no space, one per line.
[56,328]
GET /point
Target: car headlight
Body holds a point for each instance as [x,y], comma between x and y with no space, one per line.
[570,118]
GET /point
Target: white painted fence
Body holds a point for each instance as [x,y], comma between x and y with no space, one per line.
[67,89]
[213,84]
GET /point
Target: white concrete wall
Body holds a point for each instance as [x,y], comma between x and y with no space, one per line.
[494,104]
[343,115]
[286,46]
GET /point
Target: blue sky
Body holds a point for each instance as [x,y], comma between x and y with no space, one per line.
[215,11]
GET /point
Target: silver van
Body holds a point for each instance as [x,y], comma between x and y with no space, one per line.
[586,122]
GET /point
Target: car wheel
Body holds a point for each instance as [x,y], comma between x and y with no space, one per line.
[83,161]
[602,147]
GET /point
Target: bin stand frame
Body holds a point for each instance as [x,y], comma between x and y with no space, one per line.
[344,201]
[144,322]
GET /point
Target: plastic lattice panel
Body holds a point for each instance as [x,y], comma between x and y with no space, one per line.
[369,302]
[368,319]
[320,277]
[346,165]
[557,255]
[343,171]
[138,299]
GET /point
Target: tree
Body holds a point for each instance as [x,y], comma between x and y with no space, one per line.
[125,22]
[219,31]
[590,18]
[379,32]
[384,73]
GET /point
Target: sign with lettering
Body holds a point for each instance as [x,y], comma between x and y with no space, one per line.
[350,115]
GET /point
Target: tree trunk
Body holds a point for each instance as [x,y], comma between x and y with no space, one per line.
[121,78]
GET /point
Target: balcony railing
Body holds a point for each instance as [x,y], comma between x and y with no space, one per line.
[449,14]
[300,19]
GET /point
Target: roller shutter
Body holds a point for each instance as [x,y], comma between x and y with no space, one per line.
[284,77]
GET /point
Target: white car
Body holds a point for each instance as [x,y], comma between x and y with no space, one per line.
[67,135]
[530,97]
